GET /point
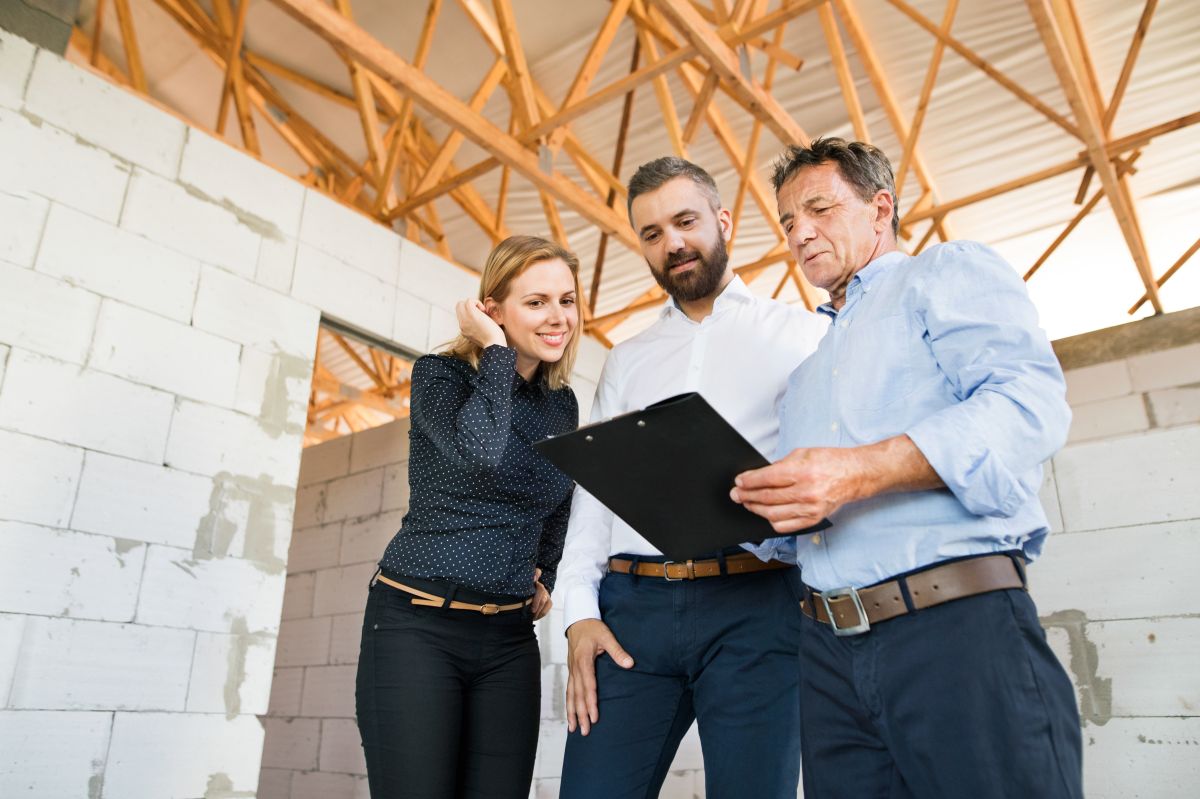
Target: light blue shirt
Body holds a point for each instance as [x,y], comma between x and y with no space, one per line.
[944,347]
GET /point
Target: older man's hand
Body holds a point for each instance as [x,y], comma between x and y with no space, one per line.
[810,484]
[803,488]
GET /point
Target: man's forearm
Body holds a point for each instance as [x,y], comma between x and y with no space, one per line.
[894,464]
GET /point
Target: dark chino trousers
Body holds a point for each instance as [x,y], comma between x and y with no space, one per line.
[448,700]
[964,699]
[721,651]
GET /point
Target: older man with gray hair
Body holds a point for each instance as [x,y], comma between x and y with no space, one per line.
[919,428]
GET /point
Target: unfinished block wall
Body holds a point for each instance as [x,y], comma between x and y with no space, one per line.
[1117,588]
[160,294]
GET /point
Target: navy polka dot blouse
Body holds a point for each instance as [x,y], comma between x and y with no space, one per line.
[485,508]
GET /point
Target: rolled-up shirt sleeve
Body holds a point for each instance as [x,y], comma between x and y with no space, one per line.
[474,432]
[1011,413]
[589,531]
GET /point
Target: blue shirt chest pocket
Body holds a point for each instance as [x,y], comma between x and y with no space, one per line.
[877,364]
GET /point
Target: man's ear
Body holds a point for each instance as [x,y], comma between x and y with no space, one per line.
[725,220]
[885,206]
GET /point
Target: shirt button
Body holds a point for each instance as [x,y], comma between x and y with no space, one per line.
[816,539]
[834,427]
[835,372]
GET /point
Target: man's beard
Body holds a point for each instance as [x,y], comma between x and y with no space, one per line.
[700,281]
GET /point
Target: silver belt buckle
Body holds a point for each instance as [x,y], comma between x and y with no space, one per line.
[667,574]
[839,593]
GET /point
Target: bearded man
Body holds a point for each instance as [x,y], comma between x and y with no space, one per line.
[652,645]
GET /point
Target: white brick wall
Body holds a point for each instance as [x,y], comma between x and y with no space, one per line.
[212,595]
[52,753]
[67,573]
[25,216]
[58,401]
[41,314]
[344,291]
[43,495]
[350,237]
[67,664]
[87,252]
[55,165]
[227,176]
[99,112]
[245,312]
[159,755]
[159,505]
[16,59]
[146,348]
[168,214]
[148,459]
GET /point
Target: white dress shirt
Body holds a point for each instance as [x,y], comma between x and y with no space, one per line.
[738,358]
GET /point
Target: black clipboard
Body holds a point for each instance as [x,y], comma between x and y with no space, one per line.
[666,471]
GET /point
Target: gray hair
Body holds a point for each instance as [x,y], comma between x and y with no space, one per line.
[862,165]
[654,174]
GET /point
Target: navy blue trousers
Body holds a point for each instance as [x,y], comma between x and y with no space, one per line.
[721,651]
[960,700]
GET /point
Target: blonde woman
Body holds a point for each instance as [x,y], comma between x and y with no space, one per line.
[448,688]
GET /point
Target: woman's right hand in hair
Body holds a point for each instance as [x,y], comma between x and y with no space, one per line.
[477,326]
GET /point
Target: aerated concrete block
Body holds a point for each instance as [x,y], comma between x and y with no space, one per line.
[103,114]
[58,401]
[116,263]
[45,315]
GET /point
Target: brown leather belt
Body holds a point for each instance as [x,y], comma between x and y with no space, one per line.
[692,569]
[853,611]
[435,601]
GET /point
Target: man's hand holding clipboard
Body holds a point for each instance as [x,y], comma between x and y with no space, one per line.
[667,471]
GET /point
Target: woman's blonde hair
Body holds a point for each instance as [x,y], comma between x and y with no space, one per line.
[506,262]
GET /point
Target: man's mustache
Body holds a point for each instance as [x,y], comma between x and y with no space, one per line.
[677,258]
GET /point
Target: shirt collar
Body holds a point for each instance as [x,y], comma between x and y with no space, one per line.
[864,277]
[735,292]
[537,386]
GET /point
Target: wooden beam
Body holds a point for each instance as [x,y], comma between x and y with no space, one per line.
[133,56]
[591,62]
[1183,259]
[401,122]
[1135,47]
[841,65]
[1088,118]
[97,29]
[452,111]
[707,90]
[984,66]
[233,72]
[726,63]
[662,93]
[1123,167]
[618,157]
[850,18]
[935,62]
[104,65]
[750,162]
[455,138]
[598,99]
[368,116]
[1113,149]
[520,81]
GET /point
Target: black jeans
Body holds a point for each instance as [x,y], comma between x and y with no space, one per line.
[448,700]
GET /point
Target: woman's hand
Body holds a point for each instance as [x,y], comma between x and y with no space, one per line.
[477,326]
[541,597]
